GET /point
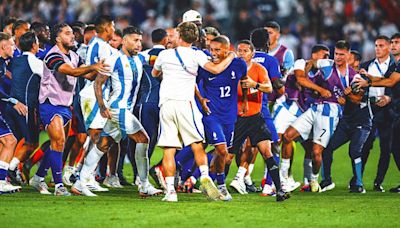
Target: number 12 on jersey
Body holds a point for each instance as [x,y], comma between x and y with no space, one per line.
[225,91]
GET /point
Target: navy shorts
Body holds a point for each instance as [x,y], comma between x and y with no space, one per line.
[270,124]
[23,126]
[218,133]
[4,128]
[49,111]
[78,116]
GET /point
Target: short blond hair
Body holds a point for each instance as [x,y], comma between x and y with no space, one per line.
[188,32]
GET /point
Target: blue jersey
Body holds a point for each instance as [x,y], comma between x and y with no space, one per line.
[222,90]
[5,84]
[43,52]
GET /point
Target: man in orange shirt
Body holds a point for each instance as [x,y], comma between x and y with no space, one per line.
[250,123]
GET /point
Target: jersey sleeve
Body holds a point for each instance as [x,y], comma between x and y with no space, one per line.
[111,61]
[288,60]
[273,69]
[262,74]
[201,58]
[300,64]
[53,61]
[36,65]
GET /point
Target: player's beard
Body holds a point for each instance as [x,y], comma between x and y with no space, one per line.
[67,47]
[132,52]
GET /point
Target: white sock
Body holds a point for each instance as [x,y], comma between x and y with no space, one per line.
[251,167]
[40,178]
[90,164]
[285,165]
[170,181]
[204,170]
[59,185]
[247,180]
[241,172]
[4,166]
[314,177]
[307,166]
[142,161]
[14,163]
[194,181]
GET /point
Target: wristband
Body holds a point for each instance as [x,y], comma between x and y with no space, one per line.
[13,100]
[257,86]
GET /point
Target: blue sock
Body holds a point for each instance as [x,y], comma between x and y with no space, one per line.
[196,173]
[268,179]
[44,165]
[3,174]
[55,159]
[220,178]
[358,168]
[209,158]
[322,172]
[213,176]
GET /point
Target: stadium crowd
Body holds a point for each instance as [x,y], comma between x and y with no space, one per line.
[102,92]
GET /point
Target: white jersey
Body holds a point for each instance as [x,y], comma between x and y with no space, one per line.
[98,49]
[126,73]
[179,83]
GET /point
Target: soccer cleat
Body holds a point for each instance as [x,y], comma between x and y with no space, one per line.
[289,185]
[123,181]
[395,189]
[251,188]
[112,182]
[160,177]
[357,189]
[268,191]
[94,186]
[326,185]
[79,189]
[378,188]
[170,197]
[239,186]
[61,191]
[282,196]
[146,190]
[15,177]
[315,186]
[7,188]
[226,196]
[68,172]
[208,187]
[39,185]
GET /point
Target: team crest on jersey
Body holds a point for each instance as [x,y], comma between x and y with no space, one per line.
[215,136]
[233,75]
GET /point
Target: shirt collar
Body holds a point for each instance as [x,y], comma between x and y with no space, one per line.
[159,46]
[28,53]
[386,62]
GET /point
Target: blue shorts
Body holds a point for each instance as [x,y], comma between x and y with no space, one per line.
[23,126]
[217,133]
[270,124]
[48,112]
[4,128]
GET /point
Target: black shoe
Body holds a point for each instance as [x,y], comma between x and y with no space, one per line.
[123,181]
[153,175]
[395,189]
[282,196]
[357,189]
[252,188]
[15,178]
[326,185]
[378,188]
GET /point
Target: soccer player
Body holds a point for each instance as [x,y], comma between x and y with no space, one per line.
[322,118]
[125,79]
[220,106]
[180,119]
[55,96]
[19,28]
[7,139]
[116,41]
[281,52]
[354,59]
[250,123]
[172,38]
[8,24]
[26,71]
[99,49]
[42,31]
[211,33]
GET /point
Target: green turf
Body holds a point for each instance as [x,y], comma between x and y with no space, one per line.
[123,208]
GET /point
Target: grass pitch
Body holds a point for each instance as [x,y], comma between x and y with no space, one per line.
[123,208]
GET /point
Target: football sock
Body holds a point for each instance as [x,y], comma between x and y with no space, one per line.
[251,167]
[170,181]
[90,164]
[44,165]
[37,156]
[273,170]
[55,161]
[3,170]
[307,166]
[285,165]
[220,178]
[314,177]
[247,180]
[213,176]
[358,171]
[203,170]
[14,163]
[241,172]
[142,161]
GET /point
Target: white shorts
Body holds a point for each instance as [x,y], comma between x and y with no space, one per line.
[321,119]
[91,114]
[121,124]
[284,115]
[180,123]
